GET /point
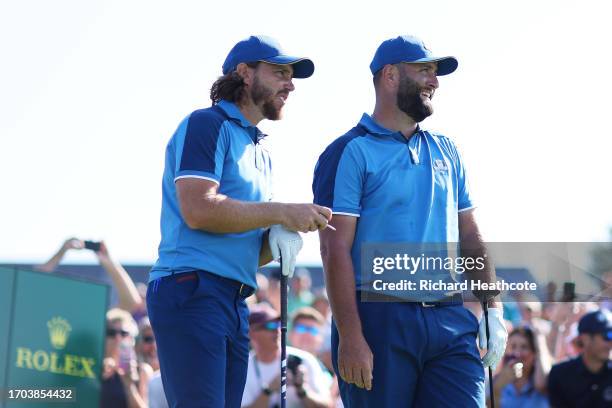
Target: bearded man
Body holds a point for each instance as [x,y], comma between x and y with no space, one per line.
[218,225]
[390,182]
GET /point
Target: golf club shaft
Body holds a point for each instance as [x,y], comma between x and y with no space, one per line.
[283,303]
[485,307]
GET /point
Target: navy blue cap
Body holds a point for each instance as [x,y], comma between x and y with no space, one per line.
[266,49]
[407,48]
[598,322]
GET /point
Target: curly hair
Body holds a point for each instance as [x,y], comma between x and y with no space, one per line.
[229,87]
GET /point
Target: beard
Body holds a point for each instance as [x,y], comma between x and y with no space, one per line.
[261,93]
[409,100]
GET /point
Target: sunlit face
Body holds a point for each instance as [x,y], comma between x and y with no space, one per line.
[116,332]
[418,83]
[270,88]
[307,334]
[147,346]
[265,336]
[519,349]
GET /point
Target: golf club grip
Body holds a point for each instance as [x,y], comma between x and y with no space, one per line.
[283,304]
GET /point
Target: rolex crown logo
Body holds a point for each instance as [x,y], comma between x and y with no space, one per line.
[59,328]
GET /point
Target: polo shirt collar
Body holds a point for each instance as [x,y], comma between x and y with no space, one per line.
[234,113]
[375,128]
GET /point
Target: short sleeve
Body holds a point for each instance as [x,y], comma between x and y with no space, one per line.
[339,178]
[202,145]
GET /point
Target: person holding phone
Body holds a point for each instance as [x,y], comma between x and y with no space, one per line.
[120,375]
[308,384]
[521,380]
[129,297]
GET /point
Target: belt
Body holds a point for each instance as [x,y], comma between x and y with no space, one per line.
[456,299]
[243,289]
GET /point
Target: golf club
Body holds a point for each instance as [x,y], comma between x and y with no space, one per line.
[283,304]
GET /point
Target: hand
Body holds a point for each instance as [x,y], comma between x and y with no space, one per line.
[285,244]
[356,361]
[109,368]
[306,217]
[102,253]
[511,371]
[498,336]
[73,243]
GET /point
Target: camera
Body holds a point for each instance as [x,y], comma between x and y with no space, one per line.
[293,362]
[93,245]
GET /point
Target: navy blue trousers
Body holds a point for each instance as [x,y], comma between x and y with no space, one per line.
[201,327]
[423,357]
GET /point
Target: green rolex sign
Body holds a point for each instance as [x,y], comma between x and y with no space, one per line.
[55,343]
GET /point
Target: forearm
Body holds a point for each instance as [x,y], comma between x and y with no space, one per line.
[262,401]
[52,263]
[473,247]
[542,364]
[129,298]
[341,289]
[134,398]
[223,215]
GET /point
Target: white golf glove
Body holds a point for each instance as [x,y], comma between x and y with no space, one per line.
[286,244]
[498,336]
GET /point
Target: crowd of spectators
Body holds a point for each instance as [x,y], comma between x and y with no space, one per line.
[557,355]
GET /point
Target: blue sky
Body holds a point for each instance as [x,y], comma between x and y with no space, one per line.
[92,91]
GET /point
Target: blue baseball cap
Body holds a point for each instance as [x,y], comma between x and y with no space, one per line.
[598,322]
[407,48]
[266,49]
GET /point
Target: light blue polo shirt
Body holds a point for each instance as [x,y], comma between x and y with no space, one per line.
[221,145]
[401,190]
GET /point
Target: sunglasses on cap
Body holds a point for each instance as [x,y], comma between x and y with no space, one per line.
[114,332]
[301,329]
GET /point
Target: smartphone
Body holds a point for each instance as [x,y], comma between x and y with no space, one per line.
[126,355]
[93,245]
[569,292]
[293,362]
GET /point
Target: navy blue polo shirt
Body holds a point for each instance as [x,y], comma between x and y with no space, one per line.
[217,144]
[571,384]
[401,190]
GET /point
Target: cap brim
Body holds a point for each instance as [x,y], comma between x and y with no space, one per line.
[446,65]
[302,67]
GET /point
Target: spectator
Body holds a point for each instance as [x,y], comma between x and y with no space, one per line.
[146,354]
[307,330]
[531,314]
[129,298]
[120,369]
[306,386]
[586,381]
[521,381]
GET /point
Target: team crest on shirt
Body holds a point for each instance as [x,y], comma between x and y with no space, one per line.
[440,165]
